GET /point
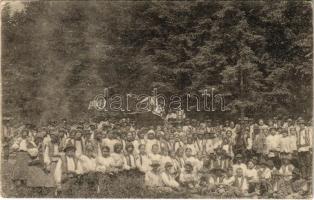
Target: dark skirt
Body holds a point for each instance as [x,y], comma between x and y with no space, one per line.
[21,166]
[36,177]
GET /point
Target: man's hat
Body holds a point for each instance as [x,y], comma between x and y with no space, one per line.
[168,164]
[81,127]
[272,128]
[217,171]
[89,147]
[275,172]
[285,155]
[155,163]
[69,146]
[218,150]
[188,164]
[296,171]
[263,162]
[212,154]
[238,156]
[40,134]
[301,121]
[211,135]
[270,164]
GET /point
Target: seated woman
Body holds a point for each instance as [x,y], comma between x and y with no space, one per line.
[142,161]
[180,158]
[104,162]
[167,178]
[37,178]
[198,164]
[154,155]
[88,161]
[286,169]
[118,157]
[89,179]
[19,175]
[187,177]
[295,188]
[152,177]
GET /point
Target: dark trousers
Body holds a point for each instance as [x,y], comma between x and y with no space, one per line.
[276,161]
[305,163]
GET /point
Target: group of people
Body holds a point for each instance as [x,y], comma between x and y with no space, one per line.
[270,158]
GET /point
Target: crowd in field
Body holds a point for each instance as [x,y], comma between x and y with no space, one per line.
[270,158]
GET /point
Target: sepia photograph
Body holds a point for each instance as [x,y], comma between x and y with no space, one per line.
[156,99]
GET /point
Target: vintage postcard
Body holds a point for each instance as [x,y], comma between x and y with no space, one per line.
[156,99]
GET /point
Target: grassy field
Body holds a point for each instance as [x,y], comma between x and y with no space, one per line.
[122,185]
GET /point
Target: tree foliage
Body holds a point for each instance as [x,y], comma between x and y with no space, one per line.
[58,55]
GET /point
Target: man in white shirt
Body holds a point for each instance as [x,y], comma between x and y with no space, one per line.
[104,162]
[150,142]
[67,168]
[198,164]
[264,172]
[111,141]
[187,177]
[139,141]
[285,143]
[229,178]
[240,181]
[88,161]
[152,177]
[142,161]
[251,172]
[167,178]
[304,145]
[191,146]
[262,125]
[129,159]
[272,141]
[154,155]
[209,143]
[239,164]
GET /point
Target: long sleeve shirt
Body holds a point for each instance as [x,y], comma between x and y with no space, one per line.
[293,143]
[143,163]
[88,164]
[303,140]
[153,180]
[51,153]
[285,144]
[251,174]
[272,143]
[188,177]
[168,180]
[198,164]
[264,173]
[129,162]
[241,183]
[104,164]
[71,167]
[156,157]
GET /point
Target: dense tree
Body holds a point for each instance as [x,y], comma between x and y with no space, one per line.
[58,55]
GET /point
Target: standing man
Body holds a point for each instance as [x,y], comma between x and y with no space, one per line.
[303,145]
